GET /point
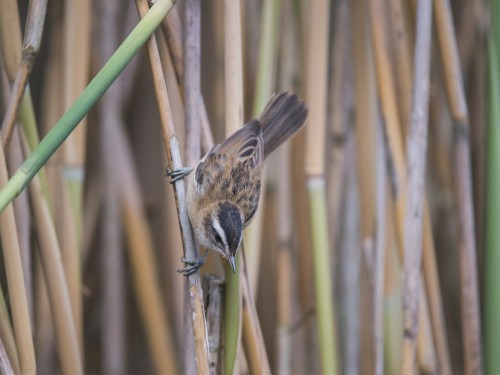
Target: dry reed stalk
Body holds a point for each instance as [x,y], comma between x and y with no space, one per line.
[15,282]
[417,146]
[23,220]
[77,23]
[192,94]
[71,157]
[10,34]
[66,336]
[366,124]
[192,89]
[233,66]
[470,313]
[253,341]
[366,117]
[31,45]
[387,93]
[402,55]
[214,302]
[174,162]
[174,285]
[172,29]
[426,352]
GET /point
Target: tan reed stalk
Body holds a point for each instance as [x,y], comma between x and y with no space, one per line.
[77,23]
[387,93]
[426,352]
[16,283]
[172,28]
[366,118]
[174,285]
[402,58]
[76,67]
[413,224]
[23,220]
[10,35]
[316,91]
[366,121]
[66,336]
[233,120]
[174,162]
[31,45]
[469,290]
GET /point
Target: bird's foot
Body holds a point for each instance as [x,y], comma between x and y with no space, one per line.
[177,174]
[193,264]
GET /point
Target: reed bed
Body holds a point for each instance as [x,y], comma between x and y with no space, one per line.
[375,247]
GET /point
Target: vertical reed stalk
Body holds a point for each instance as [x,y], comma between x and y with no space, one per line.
[233,72]
[417,147]
[316,91]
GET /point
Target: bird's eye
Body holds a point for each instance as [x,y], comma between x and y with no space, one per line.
[218,239]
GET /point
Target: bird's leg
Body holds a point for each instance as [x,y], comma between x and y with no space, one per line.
[177,174]
[193,264]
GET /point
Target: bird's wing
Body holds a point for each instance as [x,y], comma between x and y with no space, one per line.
[243,147]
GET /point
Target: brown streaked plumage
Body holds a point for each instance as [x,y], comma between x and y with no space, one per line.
[223,193]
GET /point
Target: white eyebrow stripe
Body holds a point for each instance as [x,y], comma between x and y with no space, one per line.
[222,234]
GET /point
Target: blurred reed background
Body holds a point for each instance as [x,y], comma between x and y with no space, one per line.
[376,248]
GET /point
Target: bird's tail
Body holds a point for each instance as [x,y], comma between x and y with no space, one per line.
[283,116]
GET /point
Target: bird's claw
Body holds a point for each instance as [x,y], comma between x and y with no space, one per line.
[177,174]
[193,264]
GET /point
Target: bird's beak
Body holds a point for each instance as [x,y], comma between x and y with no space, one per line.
[232,262]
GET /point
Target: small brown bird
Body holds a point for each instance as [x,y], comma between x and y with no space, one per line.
[223,194]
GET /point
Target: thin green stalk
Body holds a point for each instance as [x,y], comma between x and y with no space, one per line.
[322,276]
[492,264]
[85,101]
[232,315]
